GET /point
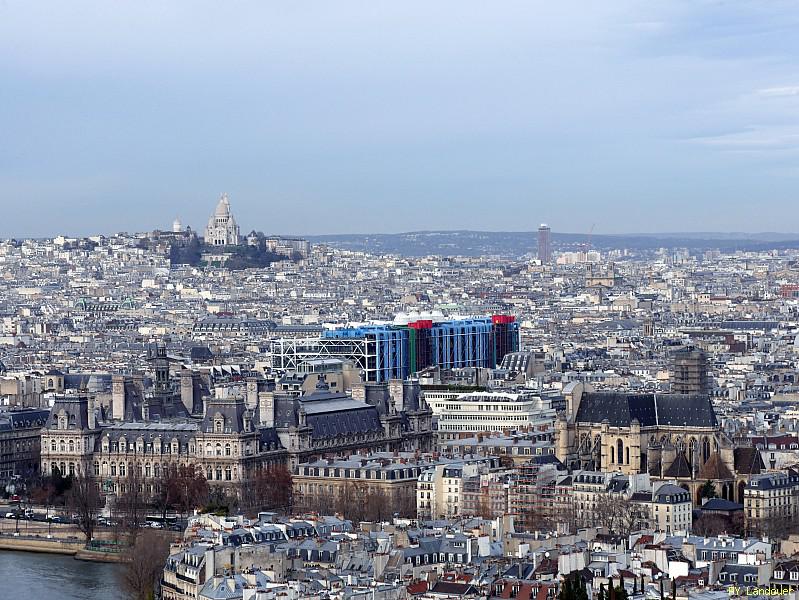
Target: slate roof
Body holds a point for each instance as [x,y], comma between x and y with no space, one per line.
[651,410]
[223,588]
[329,414]
[748,461]
[31,418]
[679,468]
[75,408]
[200,353]
[452,588]
[714,468]
[150,431]
[720,504]
[672,492]
[232,411]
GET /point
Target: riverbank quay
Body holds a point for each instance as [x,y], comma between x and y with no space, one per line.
[94,552]
[33,543]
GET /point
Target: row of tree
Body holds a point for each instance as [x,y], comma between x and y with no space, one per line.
[180,489]
[359,501]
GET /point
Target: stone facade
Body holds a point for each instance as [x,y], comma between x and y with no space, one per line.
[222,229]
[228,442]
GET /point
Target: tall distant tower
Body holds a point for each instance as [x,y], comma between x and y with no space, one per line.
[689,371]
[544,246]
[222,229]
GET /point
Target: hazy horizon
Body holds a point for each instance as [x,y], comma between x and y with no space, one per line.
[335,118]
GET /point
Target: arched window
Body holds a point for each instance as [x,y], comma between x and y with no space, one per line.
[52,446]
[63,446]
[113,469]
[121,469]
[227,473]
[209,474]
[619,451]
[71,446]
[157,470]
[96,468]
[227,449]
[219,449]
[219,473]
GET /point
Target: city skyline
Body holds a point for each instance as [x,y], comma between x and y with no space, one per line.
[669,116]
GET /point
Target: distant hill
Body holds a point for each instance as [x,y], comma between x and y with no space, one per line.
[519,243]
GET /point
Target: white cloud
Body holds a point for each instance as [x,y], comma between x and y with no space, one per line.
[779,92]
[754,139]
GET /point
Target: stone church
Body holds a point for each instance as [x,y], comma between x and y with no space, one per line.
[222,229]
[669,436]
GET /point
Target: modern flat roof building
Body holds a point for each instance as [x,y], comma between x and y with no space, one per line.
[384,352]
[492,412]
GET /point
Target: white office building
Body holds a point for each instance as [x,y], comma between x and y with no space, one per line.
[490,412]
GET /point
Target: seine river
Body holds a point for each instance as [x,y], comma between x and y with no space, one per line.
[55,577]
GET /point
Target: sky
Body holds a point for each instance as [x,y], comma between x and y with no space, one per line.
[362,117]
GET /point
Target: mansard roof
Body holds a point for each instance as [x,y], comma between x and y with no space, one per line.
[29,418]
[183,432]
[329,414]
[651,410]
[232,411]
[74,408]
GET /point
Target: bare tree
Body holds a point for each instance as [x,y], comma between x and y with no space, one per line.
[632,517]
[165,497]
[352,501]
[711,525]
[567,515]
[181,488]
[145,565]
[272,489]
[619,515]
[84,501]
[132,503]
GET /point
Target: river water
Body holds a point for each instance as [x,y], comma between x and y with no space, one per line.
[56,577]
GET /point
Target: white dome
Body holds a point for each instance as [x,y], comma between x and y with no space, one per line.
[177,226]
